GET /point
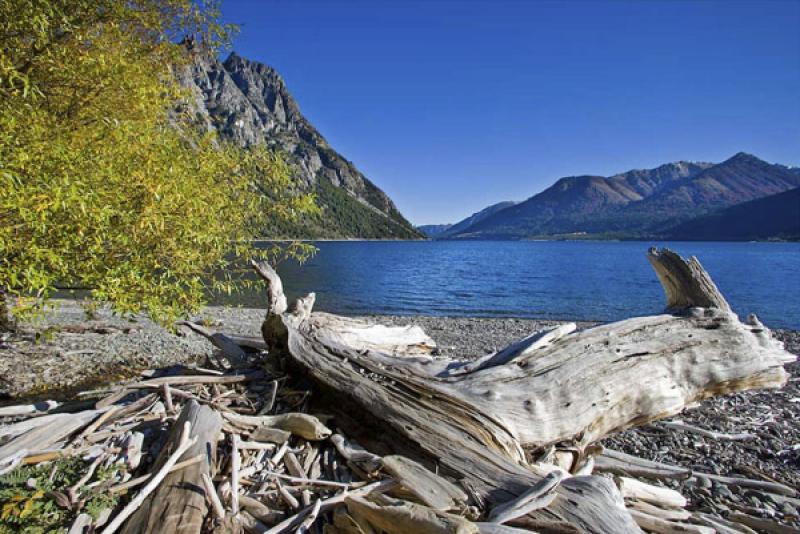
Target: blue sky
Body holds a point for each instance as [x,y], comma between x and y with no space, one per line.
[449,106]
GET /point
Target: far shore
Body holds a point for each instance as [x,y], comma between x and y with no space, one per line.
[576,239]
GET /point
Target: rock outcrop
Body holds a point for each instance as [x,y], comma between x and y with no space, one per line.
[248,103]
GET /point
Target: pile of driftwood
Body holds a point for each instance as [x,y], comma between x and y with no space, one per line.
[353,427]
[202,449]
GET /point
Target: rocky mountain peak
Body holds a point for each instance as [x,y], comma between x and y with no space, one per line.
[249,103]
[744,157]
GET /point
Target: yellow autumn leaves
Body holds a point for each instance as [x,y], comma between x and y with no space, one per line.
[105,182]
[20,505]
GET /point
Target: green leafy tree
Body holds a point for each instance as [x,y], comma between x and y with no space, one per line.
[105,183]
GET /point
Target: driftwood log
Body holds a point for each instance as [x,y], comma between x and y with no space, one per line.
[179,503]
[496,427]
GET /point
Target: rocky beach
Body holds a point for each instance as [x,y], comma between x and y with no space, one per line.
[65,352]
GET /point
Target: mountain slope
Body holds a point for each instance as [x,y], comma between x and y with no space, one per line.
[434,230]
[477,217]
[775,216]
[639,203]
[739,179]
[248,102]
[573,204]
[441,231]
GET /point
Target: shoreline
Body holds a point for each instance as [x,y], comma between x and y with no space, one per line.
[65,351]
[81,354]
[523,240]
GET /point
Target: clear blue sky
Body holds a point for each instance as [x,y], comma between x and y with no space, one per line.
[449,105]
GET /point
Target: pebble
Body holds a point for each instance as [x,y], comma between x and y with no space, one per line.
[775,452]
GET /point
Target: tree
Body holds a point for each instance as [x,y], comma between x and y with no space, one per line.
[104,181]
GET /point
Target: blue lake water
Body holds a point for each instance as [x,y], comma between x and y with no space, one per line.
[602,281]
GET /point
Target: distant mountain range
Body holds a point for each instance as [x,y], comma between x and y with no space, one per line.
[684,199]
[446,230]
[248,102]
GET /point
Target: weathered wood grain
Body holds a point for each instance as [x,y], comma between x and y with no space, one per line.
[179,502]
[560,390]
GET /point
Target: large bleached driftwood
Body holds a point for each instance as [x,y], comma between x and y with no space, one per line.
[485,424]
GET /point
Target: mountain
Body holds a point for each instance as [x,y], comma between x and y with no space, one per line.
[739,179]
[775,216]
[638,203]
[476,217]
[440,231]
[573,204]
[434,230]
[248,103]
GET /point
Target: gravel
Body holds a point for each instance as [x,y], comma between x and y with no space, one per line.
[64,351]
[72,352]
[771,415]
[773,455]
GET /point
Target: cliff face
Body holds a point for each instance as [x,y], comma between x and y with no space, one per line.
[248,102]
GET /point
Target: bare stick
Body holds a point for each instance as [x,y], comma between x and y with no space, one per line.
[73,490]
[540,495]
[620,463]
[168,398]
[132,483]
[190,379]
[293,465]
[680,425]
[235,465]
[658,495]
[310,518]
[288,497]
[376,487]
[269,401]
[213,497]
[771,487]
[256,445]
[228,346]
[312,481]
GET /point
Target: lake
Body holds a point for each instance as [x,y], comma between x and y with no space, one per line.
[576,280]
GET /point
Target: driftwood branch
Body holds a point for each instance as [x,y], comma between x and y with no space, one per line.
[686,284]
[540,495]
[721,436]
[229,347]
[563,390]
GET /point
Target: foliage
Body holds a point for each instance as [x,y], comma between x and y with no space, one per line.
[32,498]
[104,182]
[342,215]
